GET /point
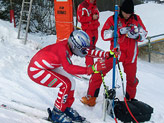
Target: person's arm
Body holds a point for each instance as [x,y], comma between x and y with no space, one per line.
[67,63]
[142,30]
[108,30]
[83,15]
[76,69]
[96,13]
[137,32]
[95,21]
[103,54]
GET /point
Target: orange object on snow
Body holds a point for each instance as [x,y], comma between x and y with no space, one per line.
[63,10]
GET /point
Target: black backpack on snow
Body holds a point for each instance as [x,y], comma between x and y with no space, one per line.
[141,111]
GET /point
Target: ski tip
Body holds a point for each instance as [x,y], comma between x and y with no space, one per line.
[49,114]
[49,111]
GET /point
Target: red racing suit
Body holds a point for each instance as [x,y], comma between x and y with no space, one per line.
[128,53]
[52,67]
[85,12]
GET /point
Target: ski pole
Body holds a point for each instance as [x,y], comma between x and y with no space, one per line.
[122,81]
[105,88]
[114,59]
[115,42]
[105,95]
[108,95]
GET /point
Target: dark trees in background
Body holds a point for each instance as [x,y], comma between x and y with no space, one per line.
[104,5]
[42,15]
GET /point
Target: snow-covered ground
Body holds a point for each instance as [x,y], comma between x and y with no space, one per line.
[18,91]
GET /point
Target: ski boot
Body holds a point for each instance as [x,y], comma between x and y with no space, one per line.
[88,100]
[57,116]
[74,115]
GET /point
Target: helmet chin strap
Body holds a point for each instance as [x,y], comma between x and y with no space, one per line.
[70,49]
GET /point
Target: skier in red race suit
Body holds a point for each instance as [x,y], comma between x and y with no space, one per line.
[130,31]
[52,67]
[88,15]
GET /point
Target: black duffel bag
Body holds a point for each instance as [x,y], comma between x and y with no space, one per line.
[140,110]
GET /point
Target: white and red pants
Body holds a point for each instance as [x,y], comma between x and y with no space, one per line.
[56,78]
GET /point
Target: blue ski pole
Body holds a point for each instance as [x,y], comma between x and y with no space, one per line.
[114,59]
[115,42]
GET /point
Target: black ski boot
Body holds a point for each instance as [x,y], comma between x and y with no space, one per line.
[74,115]
[57,116]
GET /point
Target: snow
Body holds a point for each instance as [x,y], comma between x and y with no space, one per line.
[18,91]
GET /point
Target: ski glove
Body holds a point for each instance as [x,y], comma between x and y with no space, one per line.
[97,67]
[112,53]
[124,30]
[133,33]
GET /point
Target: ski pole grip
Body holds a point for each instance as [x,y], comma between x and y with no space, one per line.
[94,70]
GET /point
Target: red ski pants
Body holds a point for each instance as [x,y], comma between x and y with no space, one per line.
[55,79]
[132,81]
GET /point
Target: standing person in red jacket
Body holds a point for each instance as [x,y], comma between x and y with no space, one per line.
[52,67]
[88,15]
[130,31]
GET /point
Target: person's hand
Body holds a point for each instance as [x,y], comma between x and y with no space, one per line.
[112,53]
[97,67]
[124,30]
[95,16]
[133,33]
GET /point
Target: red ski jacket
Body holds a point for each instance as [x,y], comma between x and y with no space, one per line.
[127,45]
[58,55]
[85,13]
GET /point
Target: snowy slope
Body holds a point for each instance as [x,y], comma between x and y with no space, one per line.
[18,91]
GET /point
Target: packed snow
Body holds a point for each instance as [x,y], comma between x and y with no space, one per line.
[19,92]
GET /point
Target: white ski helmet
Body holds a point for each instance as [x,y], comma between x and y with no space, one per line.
[79,41]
